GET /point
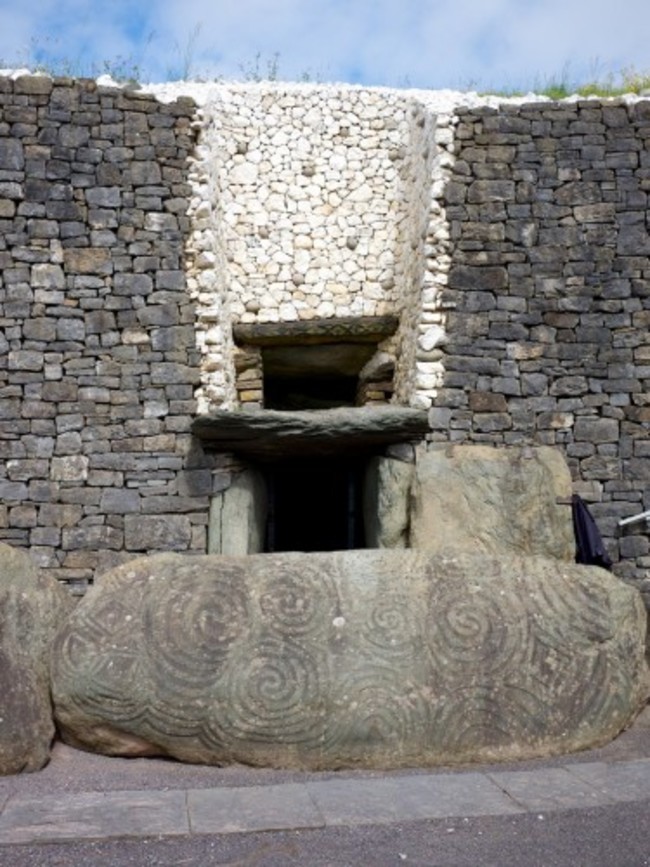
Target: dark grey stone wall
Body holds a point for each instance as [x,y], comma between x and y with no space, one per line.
[549,299]
[97,351]
[548,315]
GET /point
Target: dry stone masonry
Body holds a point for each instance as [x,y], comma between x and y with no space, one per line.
[99,361]
[548,334]
[138,237]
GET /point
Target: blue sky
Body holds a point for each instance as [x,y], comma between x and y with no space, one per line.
[458,44]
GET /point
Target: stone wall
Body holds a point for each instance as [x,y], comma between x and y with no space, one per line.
[98,363]
[548,336]
[511,243]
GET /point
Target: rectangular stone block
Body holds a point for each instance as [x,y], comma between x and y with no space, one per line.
[91,538]
[157,533]
[484,278]
[71,468]
[596,430]
[12,156]
[120,501]
[88,260]
[104,197]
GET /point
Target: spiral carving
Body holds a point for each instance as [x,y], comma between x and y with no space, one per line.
[560,618]
[191,629]
[331,660]
[299,601]
[475,632]
[272,696]
[476,718]
[392,627]
[379,709]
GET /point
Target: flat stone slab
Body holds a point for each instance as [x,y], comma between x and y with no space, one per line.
[620,781]
[366,329]
[499,502]
[409,799]
[272,433]
[320,803]
[94,816]
[258,808]
[550,789]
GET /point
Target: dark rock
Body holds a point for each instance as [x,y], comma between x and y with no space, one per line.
[32,607]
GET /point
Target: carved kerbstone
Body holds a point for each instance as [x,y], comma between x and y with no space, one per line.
[357,658]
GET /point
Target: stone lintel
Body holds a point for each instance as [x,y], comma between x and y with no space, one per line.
[356,329]
[269,434]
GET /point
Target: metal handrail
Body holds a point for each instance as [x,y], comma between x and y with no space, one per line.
[640,517]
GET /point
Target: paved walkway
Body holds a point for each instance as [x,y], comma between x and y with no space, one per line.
[320,804]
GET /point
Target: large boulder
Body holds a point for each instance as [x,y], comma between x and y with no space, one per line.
[32,606]
[356,658]
[496,502]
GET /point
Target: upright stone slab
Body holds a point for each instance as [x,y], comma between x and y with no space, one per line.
[32,606]
[350,659]
[238,515]
[387,488]
[496,502]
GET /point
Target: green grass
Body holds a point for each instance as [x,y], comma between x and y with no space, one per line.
[629,80]
[45,56]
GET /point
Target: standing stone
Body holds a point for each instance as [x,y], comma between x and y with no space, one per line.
[387,490]
[350,659]
[238,516]
[32,607]
[477,499]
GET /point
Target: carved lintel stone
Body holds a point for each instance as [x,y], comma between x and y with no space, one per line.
[361,329]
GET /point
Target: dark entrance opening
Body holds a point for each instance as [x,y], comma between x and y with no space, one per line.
[315,504]
[309,392]
[322,376]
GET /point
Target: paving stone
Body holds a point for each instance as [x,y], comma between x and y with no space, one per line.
[258,808]
[619,781]
[94,816]
[361,802]
[549,789]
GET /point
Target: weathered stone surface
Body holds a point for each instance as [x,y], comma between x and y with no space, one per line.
[500,256]
[32,607]
[237,516]
[387,491]
[496,502]
[367,329]
[148,532]
[357,658]
[332,431]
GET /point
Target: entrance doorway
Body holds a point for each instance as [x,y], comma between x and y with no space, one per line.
[315,504]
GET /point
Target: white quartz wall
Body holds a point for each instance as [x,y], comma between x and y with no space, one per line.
[208,273]
[423,371]
[318,202]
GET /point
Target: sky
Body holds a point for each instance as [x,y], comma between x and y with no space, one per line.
[457,44]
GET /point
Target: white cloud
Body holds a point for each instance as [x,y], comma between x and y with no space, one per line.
[435,43]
